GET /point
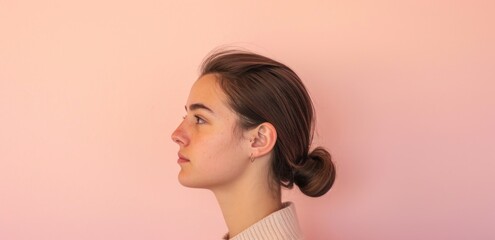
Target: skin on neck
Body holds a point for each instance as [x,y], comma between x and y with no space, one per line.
[249,198]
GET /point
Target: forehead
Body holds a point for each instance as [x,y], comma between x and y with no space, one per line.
[206,90]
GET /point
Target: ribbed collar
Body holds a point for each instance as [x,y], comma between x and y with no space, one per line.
[280,225]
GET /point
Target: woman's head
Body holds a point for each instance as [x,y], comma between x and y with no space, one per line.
[260,90]
[211,154]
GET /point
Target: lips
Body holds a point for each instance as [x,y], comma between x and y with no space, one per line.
[182,159]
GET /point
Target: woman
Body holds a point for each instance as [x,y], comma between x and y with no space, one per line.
[247,133]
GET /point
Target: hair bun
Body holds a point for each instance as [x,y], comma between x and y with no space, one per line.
[316,174]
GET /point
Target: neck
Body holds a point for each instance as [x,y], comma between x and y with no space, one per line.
[245,203]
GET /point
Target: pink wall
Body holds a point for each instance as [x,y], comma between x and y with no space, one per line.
[90,92]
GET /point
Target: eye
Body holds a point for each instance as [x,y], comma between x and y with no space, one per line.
[199,120]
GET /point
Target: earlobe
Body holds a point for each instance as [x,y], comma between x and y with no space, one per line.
[264,139]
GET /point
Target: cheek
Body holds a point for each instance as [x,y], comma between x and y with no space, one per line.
[220,150]
[220,159]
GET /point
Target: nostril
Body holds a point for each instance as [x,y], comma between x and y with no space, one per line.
[176,139]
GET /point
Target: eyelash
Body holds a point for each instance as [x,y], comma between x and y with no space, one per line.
[199,120]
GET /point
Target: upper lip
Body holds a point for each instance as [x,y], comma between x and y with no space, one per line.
[182,156]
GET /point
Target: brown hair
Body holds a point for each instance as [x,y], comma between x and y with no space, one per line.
[259,90]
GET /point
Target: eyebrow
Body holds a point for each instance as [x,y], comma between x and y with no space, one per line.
[196,106]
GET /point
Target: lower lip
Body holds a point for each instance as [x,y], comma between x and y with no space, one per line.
[182,160]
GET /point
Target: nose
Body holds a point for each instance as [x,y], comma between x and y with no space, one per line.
[179,136]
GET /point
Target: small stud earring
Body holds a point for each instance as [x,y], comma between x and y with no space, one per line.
[251,158]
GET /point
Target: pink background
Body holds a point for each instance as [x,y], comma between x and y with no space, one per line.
[91,90]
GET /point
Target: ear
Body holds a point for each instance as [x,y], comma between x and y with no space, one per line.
[262,139]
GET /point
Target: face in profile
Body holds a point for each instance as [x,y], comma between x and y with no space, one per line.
[212,153]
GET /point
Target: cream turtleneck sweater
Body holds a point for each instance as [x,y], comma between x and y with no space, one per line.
[280,225]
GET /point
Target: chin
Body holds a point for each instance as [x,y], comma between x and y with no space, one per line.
[187,181]
[198,182]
